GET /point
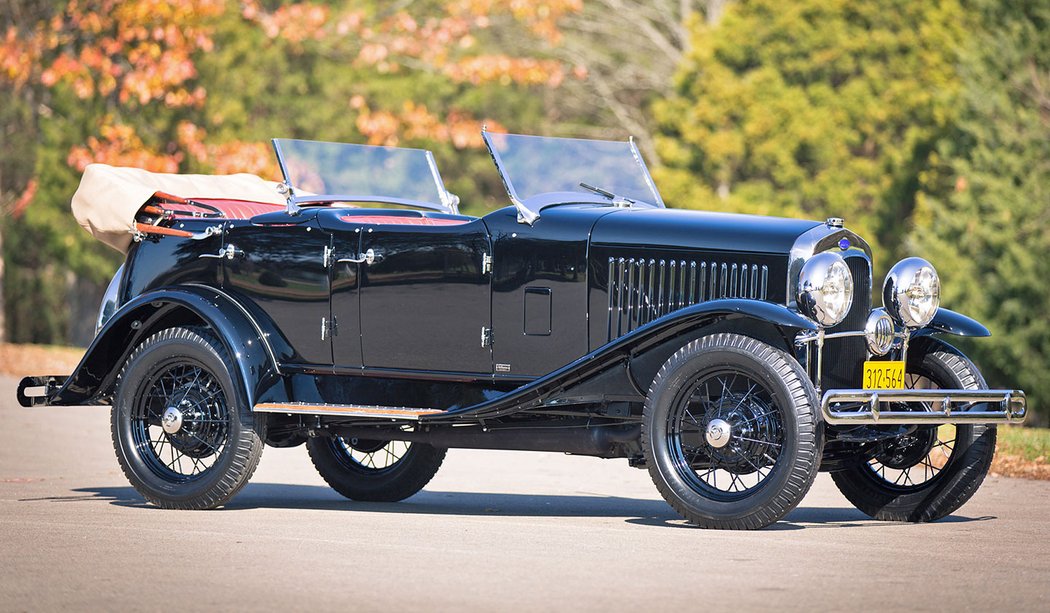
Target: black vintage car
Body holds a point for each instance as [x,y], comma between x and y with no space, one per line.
[731,356]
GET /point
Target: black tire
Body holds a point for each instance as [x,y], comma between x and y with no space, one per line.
[773,426]
[216,444]
[960,465]
[374,471]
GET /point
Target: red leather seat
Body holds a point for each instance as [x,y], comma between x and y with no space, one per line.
[231,209]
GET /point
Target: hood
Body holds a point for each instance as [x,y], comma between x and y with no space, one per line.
[678,228]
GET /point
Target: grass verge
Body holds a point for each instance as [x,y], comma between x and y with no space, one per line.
[1023,452]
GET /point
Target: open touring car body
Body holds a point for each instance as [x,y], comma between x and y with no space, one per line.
[359,304]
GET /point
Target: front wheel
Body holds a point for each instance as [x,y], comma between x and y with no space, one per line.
[931,472]
[730,432]
[374,470]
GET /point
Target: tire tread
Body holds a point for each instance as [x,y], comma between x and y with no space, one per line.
[953,489]
[802,396]
[248,447]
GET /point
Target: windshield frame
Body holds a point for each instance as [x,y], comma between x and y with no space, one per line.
[529,208]
[449,202]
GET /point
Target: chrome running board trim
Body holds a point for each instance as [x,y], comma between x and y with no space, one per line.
[952,407]
[344,410]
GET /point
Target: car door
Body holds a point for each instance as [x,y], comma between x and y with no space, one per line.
[275,265]
[423,293]
[345,267]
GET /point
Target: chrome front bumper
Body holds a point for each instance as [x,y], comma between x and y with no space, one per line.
[940,407]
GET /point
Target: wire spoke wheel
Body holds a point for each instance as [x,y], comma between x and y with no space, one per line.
[929,472]
[918,458]
[729,432]
[370,455]
[725,434]
[374,470]
[182,436]
[180,423]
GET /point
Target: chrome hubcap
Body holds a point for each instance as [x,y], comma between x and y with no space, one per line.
[717,433]
[171,421]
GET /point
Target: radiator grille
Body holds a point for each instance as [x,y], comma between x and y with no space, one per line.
[843,357]
[641,289]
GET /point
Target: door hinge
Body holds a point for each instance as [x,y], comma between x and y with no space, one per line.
[486,336]
[329,328]
[327,255]
[486,264]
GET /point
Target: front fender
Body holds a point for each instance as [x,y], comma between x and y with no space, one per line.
[589,372]
[950,322]
[254,365]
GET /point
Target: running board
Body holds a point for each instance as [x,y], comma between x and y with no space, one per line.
[344,410]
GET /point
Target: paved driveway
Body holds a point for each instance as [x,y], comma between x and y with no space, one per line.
[494,531]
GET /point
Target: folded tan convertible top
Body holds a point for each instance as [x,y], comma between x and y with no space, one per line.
[109,197]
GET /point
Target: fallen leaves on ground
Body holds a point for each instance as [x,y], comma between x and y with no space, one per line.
[25,360]
[1008,465]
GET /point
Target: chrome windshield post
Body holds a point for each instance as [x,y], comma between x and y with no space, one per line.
[289,198]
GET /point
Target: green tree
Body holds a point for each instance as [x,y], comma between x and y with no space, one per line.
[813,108]
[983,216]
[202,85]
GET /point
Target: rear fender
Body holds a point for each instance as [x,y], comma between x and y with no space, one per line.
[254,369]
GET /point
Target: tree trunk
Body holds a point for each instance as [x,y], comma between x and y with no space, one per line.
[83,299]
[3,322]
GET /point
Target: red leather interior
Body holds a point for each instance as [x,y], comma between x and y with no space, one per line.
[246,209]
[399,220]
[231,209]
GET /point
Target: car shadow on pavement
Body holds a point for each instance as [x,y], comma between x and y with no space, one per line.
[644,512]
[429,502]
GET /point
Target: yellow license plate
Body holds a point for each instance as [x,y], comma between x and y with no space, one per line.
[883,375]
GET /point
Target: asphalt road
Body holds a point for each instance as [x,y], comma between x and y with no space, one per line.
[494,530]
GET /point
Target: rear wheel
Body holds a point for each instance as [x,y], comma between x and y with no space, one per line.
[181,437]
[730,434]
[931,472]
[374,470]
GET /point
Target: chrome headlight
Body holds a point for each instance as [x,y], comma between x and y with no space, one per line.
[879,332]
[912,292]
[825,288]
[110,301]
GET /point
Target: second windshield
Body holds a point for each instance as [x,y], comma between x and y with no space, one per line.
[534,165]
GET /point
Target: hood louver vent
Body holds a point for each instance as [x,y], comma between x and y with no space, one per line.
[641,290]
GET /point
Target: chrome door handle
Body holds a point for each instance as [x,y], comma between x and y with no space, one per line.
[368,257]
[229,252]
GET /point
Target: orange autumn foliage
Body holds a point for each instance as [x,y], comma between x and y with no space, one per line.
[414,122]
[134,54]
[119,145]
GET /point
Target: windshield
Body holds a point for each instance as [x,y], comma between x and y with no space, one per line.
[337,172]
[532,166]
